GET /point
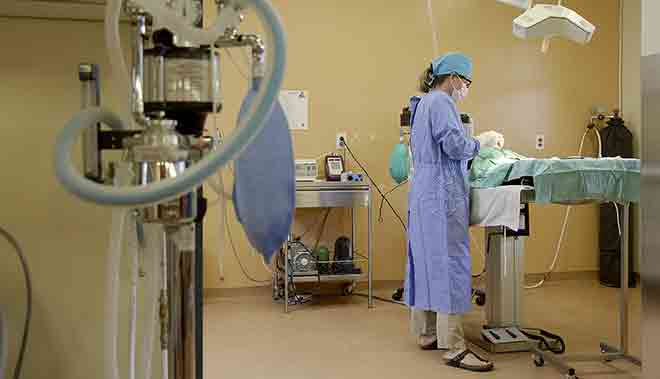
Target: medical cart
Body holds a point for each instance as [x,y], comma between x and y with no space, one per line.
[323,194]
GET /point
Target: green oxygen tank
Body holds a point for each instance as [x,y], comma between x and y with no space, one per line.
[323,255]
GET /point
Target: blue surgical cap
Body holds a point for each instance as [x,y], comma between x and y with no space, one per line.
[453,63]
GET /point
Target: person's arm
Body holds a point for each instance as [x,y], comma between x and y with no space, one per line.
[449,134]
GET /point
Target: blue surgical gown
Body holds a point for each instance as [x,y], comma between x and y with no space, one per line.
[438,272]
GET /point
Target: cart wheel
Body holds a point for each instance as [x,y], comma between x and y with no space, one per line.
[571,374]
[397,295]
[605,351]
[348,289]
[481,299]
[539,361]
[276,295]
[275,288]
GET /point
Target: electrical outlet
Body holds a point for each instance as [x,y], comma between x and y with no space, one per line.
[540,142]
[340,136]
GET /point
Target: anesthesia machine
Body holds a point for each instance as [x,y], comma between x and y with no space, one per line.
[173,83]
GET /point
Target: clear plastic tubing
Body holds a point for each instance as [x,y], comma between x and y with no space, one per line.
[164,190]
[111,365]
[133,307]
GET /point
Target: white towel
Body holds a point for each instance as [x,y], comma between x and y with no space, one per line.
[498,206]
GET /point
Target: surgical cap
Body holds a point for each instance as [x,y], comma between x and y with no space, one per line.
[453,63]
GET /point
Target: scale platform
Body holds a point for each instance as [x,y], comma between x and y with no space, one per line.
[504,340]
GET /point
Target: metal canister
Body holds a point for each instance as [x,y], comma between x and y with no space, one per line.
[181,75]
[159,154]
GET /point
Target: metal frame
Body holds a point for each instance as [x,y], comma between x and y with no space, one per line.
[504,284]
[608,352]
[504,287]
[650,206]
[334,195]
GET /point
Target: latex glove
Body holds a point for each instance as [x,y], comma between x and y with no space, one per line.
[491,139]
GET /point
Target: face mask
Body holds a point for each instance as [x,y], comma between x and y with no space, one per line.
[461,93]
[264,184]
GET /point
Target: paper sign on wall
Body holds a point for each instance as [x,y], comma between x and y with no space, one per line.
[296,108]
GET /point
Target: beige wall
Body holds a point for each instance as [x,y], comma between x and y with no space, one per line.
[360,62]
[366,68]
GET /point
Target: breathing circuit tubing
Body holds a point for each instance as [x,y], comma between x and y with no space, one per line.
[247,129]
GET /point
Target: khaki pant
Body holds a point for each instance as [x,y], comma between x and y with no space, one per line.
[448,329]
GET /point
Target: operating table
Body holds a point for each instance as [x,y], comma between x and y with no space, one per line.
[503,209]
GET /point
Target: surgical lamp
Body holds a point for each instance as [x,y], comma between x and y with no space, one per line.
[545,21]
[522,4]
[548,20]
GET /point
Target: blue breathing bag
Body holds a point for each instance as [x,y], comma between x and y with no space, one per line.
[264,182]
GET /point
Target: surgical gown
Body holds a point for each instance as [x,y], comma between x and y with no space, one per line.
[438,272]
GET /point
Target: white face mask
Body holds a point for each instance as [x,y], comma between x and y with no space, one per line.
[459,94]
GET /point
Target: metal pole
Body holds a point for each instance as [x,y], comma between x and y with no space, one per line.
[625,290]
[164,306]
[353,233]
[90,97]
[199,296]
[370,248]
[182,304]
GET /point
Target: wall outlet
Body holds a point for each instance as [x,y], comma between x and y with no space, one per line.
[340,144]
[540,142]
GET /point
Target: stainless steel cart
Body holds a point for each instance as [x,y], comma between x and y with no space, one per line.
[331,195]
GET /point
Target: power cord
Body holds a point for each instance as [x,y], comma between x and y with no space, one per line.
[28,288]
[542,337]
[240,264]
[316,223]
[348,148]
[384,300]
[382,200]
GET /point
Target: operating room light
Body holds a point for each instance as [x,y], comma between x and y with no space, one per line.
[522,4]
[544,21]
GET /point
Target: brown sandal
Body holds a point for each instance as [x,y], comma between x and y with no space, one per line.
[457,362]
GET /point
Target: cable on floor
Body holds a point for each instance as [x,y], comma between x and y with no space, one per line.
[384,300]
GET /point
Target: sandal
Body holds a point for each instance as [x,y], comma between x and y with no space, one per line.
[474,362]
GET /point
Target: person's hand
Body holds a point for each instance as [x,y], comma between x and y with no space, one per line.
[491,139]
